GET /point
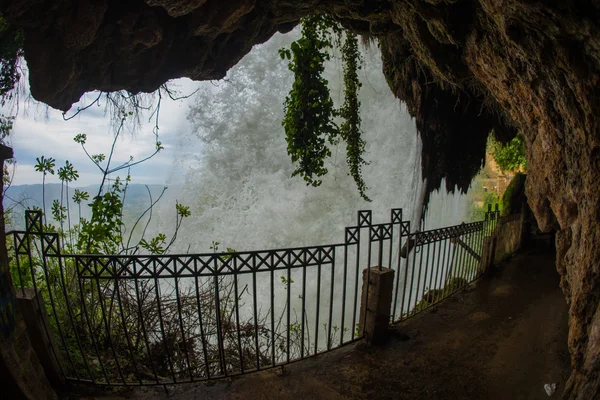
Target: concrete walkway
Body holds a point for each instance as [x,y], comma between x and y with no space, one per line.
[503,338]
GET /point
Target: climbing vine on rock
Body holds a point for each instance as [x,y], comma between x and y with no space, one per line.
[310,114]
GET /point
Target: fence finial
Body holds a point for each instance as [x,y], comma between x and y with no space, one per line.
[364,218]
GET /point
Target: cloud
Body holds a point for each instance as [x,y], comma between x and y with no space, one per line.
[42,131]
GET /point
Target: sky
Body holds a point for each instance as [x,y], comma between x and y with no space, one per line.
[40,130]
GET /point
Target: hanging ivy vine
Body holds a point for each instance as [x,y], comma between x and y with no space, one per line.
[309,110]
[350,130]
[309,120]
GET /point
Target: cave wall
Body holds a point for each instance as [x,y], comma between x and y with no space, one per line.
[463,67]
[537,64]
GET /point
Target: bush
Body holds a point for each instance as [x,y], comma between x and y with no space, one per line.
[510,156]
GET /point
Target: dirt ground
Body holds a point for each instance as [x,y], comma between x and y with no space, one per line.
[503,338]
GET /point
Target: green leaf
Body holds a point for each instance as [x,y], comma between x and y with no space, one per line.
[156,245]
[183,211]
[80,138]
[45,165]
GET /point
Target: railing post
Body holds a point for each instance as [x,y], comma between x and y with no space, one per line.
[489,240]
[487,253]
[376,303]
[522,226]
[33,308]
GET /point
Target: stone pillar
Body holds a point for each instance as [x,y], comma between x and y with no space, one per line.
[376,304]
[33,307]
[523,226]
[487,254]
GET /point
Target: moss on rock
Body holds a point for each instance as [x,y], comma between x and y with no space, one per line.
[514,196]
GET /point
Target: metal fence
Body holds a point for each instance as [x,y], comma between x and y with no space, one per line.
[164,319]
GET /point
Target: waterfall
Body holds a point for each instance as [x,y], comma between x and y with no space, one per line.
[236,178]
[237,175]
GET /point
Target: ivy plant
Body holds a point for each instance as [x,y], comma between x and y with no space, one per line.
[350,130]
[309,120]
[309,109]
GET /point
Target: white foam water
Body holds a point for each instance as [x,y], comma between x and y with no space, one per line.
[237,180]
[238,174]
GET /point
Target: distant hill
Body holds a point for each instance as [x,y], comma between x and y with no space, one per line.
[21,197]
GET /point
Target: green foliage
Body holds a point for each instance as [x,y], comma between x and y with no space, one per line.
[156,245]
[286,282]
[309,110]
[102,233]
[21,272]
[6,126]
[80,138]
[350,130]
[68,173]
[45,165]
[510,156]
[79,196]
[182,211]
[59,213]
[490,199]
[98,158]
[72,297]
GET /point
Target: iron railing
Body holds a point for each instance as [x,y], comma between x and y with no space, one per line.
[164,319]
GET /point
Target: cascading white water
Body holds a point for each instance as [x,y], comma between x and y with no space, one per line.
[237,182]
[238,175]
